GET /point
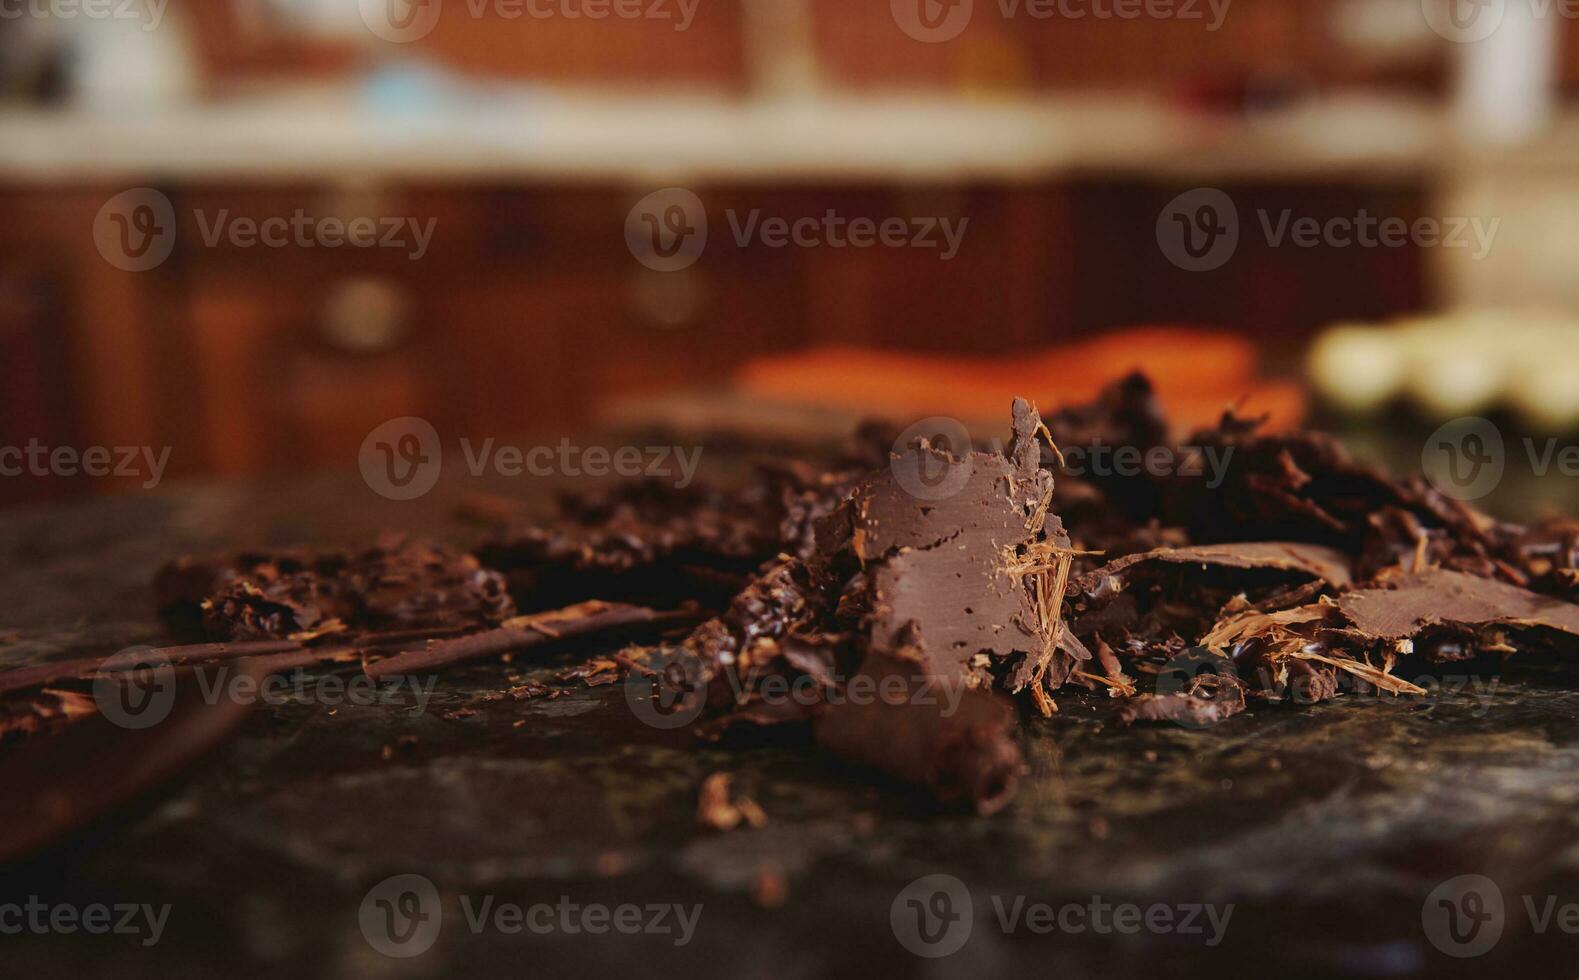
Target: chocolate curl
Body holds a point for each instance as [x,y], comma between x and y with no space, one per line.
[271,655]
[526,632]
[24,678]
[965,757]
[56,786]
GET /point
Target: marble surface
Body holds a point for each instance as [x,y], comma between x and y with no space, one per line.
[1326,828]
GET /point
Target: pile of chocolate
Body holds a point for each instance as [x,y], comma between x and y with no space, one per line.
[1290,574]
[906,604]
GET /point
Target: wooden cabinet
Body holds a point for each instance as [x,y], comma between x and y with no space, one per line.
[1270,288]
[525,312]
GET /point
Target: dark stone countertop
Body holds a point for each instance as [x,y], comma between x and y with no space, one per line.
[1326,828]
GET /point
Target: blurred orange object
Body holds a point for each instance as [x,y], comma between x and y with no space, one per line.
[1198,373]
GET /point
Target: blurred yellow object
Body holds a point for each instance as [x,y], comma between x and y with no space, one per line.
[1454,365]
[1358,368]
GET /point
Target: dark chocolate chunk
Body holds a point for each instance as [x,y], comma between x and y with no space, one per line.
[951,564]
[1214,699]
[398,584]
[965,757]
[526,632]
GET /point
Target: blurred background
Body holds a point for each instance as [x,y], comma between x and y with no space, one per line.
[252,231]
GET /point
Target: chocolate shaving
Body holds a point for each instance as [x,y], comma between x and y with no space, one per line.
[22,678]
[1407,605]
[526,632]
[1327,564]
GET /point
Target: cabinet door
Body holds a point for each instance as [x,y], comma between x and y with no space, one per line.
[36,408]
[984,270]
[1269,287]
[73,340]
